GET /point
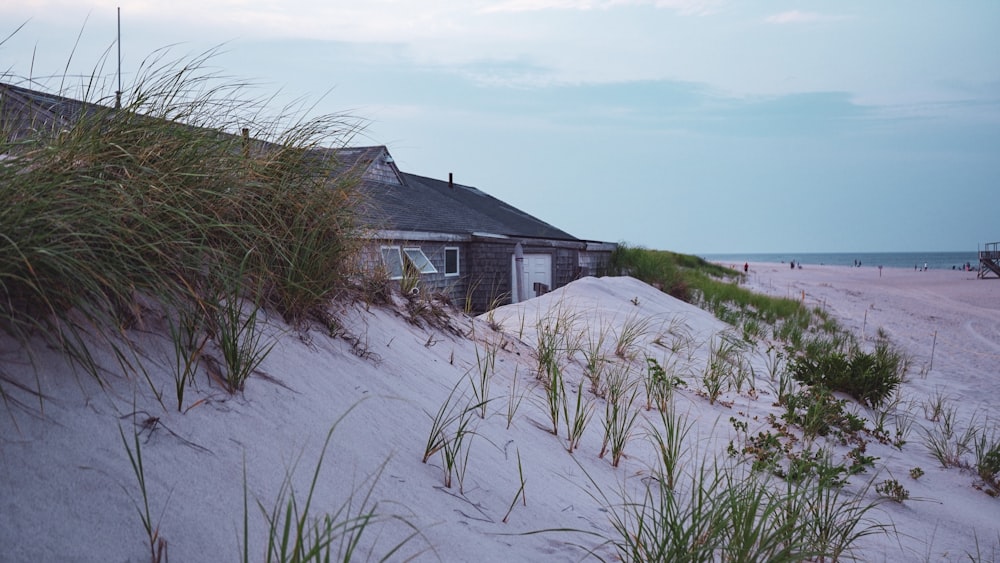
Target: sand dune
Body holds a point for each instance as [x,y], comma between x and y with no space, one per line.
[68,492]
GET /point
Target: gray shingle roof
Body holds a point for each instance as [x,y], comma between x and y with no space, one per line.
[430,205]
[24,111]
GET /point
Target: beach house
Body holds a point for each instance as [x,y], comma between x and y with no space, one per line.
[443,237]
[432,236]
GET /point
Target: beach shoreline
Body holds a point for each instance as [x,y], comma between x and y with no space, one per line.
[952,260]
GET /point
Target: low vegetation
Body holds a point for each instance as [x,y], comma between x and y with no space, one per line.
[162,204]
[714,288]
[870,377]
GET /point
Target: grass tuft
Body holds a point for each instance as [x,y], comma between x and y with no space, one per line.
[296,533]
[157,545]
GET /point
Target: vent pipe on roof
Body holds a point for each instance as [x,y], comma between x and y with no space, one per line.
[451,181]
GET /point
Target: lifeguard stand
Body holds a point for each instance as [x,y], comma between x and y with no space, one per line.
[989,260]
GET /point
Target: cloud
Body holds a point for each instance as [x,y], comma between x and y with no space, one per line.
[799,17]
[683,7]
[539,5]
[691,7]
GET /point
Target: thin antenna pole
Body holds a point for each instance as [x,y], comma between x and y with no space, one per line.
[118,92]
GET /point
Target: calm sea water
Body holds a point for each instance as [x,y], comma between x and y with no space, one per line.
[934,260]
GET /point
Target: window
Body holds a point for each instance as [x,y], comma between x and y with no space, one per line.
[393,262]
[420,261]
[416,262]
[451,261]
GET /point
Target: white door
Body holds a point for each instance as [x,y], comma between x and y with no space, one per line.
[537,270]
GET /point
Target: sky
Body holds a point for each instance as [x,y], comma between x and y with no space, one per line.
[699,126]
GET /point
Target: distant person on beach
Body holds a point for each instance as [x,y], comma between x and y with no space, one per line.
[793,264]
[746,267]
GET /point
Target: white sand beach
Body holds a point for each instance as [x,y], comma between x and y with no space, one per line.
[951,313]
[69,493]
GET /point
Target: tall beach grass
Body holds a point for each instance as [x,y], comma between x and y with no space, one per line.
[187,184]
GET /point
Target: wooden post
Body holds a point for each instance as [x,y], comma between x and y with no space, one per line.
[933,345]
[246,142]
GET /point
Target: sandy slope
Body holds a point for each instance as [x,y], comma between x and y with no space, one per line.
[950,313]
[67,491]
[948,322]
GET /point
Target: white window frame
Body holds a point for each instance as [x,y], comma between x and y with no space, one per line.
[387,252]
[458,262]
[419,260]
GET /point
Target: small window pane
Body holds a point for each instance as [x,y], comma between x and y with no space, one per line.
[420,261]
[451,261]
[393,261]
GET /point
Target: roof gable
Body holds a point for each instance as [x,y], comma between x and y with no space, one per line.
[374,164]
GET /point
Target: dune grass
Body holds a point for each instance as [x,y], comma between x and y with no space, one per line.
[576,416]
[297,533]
[161,199]
[157,544]
[724,513]
[716,289]
[480,378]
[671,272]
[620,413]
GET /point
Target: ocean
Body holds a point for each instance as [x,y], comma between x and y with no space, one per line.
[934,260]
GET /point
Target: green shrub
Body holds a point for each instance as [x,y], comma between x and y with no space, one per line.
[871,378]
[892,490]
[819,413]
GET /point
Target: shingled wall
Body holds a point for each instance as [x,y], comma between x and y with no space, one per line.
[485,267]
